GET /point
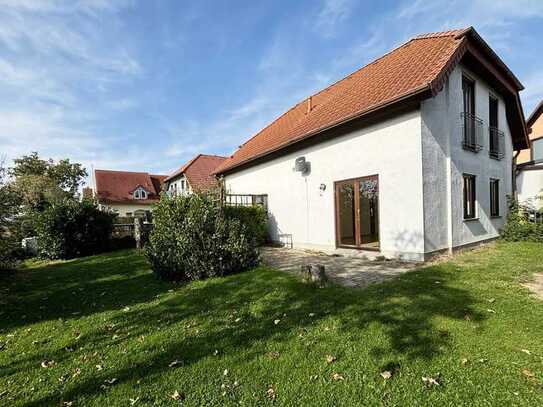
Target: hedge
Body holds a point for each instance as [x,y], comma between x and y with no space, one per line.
[69,228]
[255,218]
[519,228]
[194,238]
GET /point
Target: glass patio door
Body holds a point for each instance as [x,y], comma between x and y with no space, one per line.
[357,213]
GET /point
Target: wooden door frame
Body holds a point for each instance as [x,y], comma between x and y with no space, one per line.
[356,182]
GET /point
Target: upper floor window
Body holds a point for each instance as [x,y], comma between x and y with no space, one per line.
[495,136]
[140,193]
[469,196]
[472,125]
[182,185]
[537,149]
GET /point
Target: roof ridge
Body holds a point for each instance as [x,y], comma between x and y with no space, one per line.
[449,33]
[123,171]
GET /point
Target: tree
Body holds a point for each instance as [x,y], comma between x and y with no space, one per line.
[9,204]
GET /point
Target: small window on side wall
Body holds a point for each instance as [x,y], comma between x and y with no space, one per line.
[469,196]
[494,197]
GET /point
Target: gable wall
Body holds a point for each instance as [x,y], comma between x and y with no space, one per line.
[391,149]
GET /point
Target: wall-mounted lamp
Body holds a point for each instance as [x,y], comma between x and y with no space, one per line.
[322,187]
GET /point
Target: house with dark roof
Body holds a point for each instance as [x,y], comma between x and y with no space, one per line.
[195,175]
[530,163]
[127,193]
[409,156]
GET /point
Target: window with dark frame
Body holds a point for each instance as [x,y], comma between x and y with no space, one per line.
[469,196]
[468,92]
[494,141]
[494,197]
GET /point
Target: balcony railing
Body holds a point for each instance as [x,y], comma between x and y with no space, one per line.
[246,200]
[472,132]
[496,147]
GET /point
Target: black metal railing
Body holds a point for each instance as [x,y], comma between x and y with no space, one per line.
[472,132]
[496,144]
[246,200]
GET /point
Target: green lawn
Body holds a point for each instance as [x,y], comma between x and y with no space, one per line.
[103,331]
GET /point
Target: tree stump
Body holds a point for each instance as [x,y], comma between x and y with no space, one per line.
[314,273]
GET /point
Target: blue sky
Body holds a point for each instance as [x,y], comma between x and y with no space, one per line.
[145,85]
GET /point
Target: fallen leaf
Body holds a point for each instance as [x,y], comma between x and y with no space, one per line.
[330,359]
[337,377]
[276,321]
[311,314]
[216,352]
[177,396]
[271,394]
[491,300]
[431,381]
[225,373]
[134,401]
[77,372]
[237,320]
[99,367]
[491,311]
[273,355]
[67,403]
[464,361]
[126,309]
[467,317]
[526,351]
[47,363]
[111,381]
[528,373]
[176,362]
[386,374]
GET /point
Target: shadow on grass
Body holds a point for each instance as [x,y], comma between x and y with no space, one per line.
[404,309]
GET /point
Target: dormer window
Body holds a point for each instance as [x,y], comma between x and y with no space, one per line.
[140,193]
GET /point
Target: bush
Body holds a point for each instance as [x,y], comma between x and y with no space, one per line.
[68,229]
[519,228]
[194,239]
[10,253]
[254,217]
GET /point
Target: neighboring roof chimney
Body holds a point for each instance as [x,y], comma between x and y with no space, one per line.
[309,104]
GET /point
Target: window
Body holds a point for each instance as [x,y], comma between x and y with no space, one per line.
[494,197]
[182,185]
[128,214]
[469,196]
[140,193]
[537,149]
[471,122]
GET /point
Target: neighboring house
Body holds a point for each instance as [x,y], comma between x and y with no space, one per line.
[127,193]
[411,155]
[195,175]
[530,163]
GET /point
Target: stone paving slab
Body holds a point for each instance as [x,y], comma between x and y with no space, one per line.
[344,270]
[536,285]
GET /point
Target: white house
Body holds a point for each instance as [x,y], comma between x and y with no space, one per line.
[195,175]
[410,156]
[530,163]
[127,193]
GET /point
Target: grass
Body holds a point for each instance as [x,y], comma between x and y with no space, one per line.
[108,333]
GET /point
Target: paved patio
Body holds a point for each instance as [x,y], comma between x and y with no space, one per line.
[349,271]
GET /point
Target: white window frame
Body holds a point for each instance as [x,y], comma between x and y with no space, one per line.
[140,193]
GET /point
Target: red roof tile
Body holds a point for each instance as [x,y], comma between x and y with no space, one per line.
[420,65]
[198,171]
[118,186]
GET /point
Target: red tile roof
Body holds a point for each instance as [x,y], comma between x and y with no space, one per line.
[198,171]
[118,186]
[416,67]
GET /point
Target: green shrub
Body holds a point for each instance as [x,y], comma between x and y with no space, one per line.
[69,228]
[254,217]
[10,253]
[194,239]
[519,228]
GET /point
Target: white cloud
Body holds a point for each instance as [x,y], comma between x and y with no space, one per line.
[331,14]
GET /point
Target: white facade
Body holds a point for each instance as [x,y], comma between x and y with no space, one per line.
[419,159]
[127,210]
[178,185]
[530,187]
